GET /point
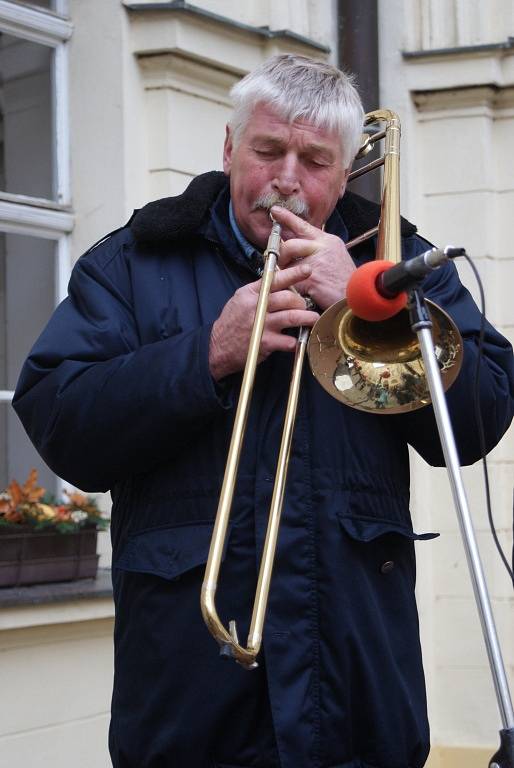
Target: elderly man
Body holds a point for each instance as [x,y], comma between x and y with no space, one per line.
[132,387]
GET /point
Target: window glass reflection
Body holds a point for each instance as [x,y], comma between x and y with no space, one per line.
[26,141]
[26,303]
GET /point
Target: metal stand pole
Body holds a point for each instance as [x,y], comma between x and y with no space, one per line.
[421,324]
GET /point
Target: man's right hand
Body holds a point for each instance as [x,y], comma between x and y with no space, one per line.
[230,337]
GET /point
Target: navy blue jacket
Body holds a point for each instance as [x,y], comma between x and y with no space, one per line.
[116,394]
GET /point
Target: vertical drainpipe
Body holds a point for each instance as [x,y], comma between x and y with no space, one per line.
[357,24]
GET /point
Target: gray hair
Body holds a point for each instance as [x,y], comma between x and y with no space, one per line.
[298,88]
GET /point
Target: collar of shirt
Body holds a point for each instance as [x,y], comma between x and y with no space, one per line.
[334,225]
[247,248]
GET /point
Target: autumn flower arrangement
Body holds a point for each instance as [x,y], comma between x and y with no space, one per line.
[30,506]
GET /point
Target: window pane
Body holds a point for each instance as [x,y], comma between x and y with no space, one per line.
[26,140]
[48,4]
[26,303]
[17,454]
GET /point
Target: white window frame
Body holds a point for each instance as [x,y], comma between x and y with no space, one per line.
[25,215]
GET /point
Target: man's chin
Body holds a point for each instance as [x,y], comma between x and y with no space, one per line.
[260,229]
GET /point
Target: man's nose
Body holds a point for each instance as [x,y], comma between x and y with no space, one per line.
[286,181]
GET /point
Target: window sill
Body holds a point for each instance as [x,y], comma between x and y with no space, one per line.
[84,600]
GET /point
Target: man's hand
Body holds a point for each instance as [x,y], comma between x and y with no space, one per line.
[326,254]
[231,332]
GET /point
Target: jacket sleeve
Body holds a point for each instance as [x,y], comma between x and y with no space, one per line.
[496,393]
[97,404]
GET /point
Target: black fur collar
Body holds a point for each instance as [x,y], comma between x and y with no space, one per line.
[174,217]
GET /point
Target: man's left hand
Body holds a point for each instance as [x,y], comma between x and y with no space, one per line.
[326,254]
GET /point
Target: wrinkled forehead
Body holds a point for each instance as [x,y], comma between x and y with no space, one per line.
[266,122]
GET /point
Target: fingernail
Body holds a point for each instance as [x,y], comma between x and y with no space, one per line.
[305,269]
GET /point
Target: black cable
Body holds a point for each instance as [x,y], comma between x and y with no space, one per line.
[480,423]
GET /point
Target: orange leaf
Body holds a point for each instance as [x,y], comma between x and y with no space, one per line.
[77,499]
[31,491]
[15,492]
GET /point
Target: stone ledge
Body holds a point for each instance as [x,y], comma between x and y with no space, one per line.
[187,9]
[486,48]
[443,69]
[41,594]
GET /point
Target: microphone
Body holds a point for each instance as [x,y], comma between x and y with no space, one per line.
[377,290]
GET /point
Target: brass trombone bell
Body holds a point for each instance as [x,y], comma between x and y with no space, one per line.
[377,367]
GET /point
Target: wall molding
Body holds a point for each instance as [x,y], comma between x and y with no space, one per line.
[506,47]
[217,41]
[486,65]
[173,71]
[489,97]
[187,9]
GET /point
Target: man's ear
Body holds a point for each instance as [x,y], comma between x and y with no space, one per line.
[228,148]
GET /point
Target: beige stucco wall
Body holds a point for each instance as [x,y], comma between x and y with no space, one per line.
[56,672]
[458,186]
[148,107]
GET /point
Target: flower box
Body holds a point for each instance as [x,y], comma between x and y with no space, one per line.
[38,557]
[42,540]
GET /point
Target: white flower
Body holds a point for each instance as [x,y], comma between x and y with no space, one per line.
[78,516]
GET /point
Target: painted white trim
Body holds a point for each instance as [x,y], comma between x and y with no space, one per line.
[25,216]
[30,220]
[62,268]
[62,7]
[62,124]
[37,202]
[33,24]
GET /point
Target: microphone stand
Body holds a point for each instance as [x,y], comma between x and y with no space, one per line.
[421,325]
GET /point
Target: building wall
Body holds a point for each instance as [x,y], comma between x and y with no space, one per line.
[455,94]
[148,106]
[149,100]
[56,673]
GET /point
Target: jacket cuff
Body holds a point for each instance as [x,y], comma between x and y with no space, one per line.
[223,390]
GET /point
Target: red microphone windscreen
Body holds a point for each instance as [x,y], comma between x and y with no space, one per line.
[363,298]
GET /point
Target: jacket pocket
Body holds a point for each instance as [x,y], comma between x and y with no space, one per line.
[380,540]
[366,529]
[367,515]
[168,551]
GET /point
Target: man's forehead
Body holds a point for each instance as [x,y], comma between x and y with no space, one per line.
[266,124]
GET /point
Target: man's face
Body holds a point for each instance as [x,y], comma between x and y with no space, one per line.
[295,161]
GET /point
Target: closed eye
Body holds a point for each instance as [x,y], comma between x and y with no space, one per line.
[266,152]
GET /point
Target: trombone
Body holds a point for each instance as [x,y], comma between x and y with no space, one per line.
[370,366]
[228,640]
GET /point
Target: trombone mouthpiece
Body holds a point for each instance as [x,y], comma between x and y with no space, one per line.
[273,245]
